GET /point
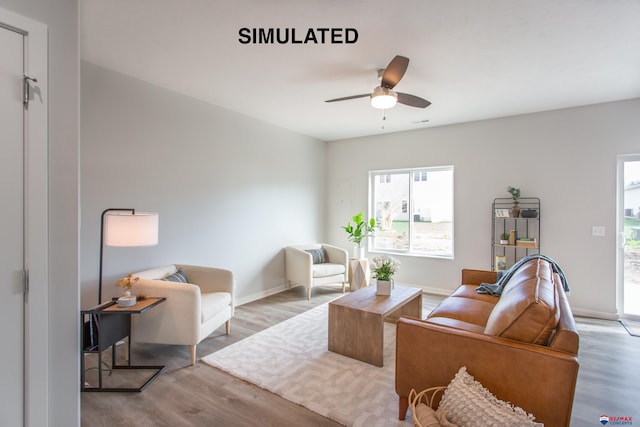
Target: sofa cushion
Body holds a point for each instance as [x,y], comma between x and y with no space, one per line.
[213,303]
[527,310]
[466,305]
[327,269]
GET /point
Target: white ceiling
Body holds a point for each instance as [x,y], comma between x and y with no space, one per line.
[473,59]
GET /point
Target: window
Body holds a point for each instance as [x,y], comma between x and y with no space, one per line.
[413,209]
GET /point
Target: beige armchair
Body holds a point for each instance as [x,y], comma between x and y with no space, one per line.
[192,310]
[330,266]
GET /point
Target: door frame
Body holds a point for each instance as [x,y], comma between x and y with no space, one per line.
[36,309]
[622,158]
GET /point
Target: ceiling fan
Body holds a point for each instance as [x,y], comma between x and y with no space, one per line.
[383,97]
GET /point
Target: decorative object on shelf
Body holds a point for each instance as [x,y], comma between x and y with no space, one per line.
[529,213]
[502,213]
[384,267]
[512,237]
[500,263]
[515,195]
[126,283]
[359,231]
[527,242]
[504,239]
[126,228]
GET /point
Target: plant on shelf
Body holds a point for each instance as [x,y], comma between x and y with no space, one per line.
[360,230]
[515,195]
[504,238]
[384,267]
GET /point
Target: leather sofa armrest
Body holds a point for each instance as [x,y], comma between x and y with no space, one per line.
[536,378]
[475,277]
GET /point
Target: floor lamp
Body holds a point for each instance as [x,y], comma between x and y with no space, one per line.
[126,228]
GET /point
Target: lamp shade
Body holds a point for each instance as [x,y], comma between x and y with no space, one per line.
[131,229]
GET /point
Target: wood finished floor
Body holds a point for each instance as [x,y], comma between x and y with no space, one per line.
[200,395]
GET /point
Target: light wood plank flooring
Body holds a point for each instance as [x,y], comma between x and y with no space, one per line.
[200,395]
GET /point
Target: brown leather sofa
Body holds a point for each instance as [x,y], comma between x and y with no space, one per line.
[522,346]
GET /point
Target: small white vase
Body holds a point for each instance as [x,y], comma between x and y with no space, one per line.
[127,300]
[383,287]
[358,252]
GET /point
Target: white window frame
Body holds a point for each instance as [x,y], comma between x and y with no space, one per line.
[374,177]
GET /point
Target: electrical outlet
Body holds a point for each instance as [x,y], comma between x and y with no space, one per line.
[597,230]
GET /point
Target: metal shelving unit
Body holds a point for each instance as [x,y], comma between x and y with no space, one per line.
[502,221]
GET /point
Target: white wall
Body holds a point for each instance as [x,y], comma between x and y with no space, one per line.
[61,18]
[565,157]
[231,191]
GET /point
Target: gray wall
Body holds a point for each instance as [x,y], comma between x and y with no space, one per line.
[231,191]
[61,18]
[566,157]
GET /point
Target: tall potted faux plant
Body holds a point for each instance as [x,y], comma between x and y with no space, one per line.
[359,231]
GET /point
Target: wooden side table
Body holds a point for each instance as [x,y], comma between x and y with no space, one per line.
[103,326]
[359,273]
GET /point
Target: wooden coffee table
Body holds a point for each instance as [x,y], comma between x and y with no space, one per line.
[356,321]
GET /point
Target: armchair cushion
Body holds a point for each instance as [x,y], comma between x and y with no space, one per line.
[213,303]
[326,269]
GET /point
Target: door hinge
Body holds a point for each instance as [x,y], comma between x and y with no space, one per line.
[26,89]
[25,282]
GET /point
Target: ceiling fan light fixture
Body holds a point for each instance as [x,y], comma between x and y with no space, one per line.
[383,98]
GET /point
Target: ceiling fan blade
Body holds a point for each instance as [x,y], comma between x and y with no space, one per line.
[394,71]
[412,100]
[348,97]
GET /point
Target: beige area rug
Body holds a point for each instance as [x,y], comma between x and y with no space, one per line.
[291,360]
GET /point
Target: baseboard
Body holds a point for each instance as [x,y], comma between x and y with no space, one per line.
[580,312]
[262,294]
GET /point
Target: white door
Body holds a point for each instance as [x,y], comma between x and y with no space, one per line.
[629,236]
[11,228]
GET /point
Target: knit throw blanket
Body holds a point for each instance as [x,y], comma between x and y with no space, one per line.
[504,276]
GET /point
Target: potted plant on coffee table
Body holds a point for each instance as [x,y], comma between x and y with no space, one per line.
[359,231]
[384,267]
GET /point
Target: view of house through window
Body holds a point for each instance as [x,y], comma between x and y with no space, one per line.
[413,209]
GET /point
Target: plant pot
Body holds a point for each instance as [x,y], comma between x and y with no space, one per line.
[515,210]
[127,300]
[383,287]
[504,242]
[358,252]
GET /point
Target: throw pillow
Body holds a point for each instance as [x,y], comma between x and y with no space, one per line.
[467,403]
[179,276]
[318,256]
